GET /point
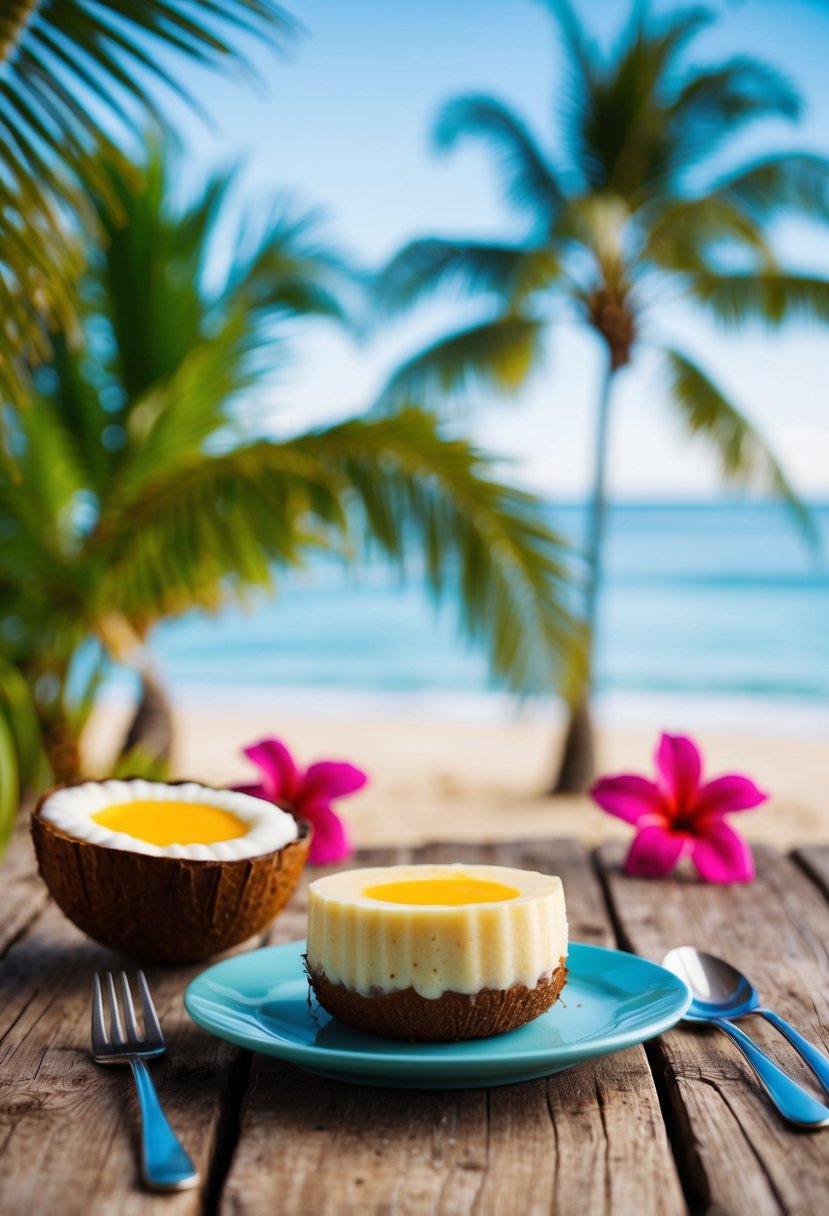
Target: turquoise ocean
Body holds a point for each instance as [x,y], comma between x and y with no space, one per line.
[721,603]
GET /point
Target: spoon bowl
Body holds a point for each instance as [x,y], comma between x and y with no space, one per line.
[720,993]
[718,989]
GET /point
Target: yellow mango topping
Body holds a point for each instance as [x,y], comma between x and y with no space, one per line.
[172,822]
[449,892]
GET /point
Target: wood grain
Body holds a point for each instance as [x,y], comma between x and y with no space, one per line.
[736,1154]
[68,1127]
[815,861]
[23,894]
[588,1141]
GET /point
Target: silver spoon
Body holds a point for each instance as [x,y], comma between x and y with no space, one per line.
[721,992]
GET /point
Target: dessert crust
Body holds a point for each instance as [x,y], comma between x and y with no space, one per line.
[452,1016]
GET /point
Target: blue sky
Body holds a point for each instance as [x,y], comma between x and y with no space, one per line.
[343,122]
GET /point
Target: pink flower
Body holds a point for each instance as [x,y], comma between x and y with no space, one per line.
[309,794]
[676,816]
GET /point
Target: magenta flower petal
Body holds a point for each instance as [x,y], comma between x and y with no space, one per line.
[628,797]
[730,793]
[277,766]
[329,779]
[655,851]
[722,856]
[329,842]
[679,765]
[254,791]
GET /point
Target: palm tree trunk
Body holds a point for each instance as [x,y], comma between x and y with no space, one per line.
[577,765]
[151,728]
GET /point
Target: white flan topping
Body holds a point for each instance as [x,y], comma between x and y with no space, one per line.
[235,825]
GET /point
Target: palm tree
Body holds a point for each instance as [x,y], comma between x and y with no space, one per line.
[141,486]
[72,72]
[634,215]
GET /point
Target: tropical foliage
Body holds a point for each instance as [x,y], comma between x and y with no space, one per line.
[22,762]
[138,487]
[641,209]
[72,72]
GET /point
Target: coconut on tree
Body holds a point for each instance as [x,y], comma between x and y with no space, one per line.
[642,209]
[141,485]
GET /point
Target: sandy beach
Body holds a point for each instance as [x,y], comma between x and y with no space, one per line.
[454,779]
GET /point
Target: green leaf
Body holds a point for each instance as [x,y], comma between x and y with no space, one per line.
[530,180]
[18,715]
[139,762]
[495,355]
[685,234]
[786,183]
[9,784]
[769,296]
[509,272]
[477,533]
[715,102]
[745,457]
[71,72]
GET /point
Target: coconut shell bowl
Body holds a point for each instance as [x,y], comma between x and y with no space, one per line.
[163,908]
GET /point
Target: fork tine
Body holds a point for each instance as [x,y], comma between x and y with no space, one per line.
[99,1030]
[115,1028]
[133,1033]
[152,1026]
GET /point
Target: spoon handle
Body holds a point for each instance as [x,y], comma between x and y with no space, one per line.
[793,1102]
[817,1061]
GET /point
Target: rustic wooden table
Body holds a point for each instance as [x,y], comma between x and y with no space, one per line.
[675,1126]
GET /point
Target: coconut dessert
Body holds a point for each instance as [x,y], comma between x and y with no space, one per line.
[172,873]
[437,952]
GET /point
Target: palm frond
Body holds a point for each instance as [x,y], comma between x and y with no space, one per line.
[209,531]
[685,234]
[48,476]
[769,296]
[69,71]
[476,533]
[744,455]
[613,116]
[17,711]
[509,272]
[493,355]
[715,102]
[289,268]
[9,783]
[147,276]
[783,184]
[530,180]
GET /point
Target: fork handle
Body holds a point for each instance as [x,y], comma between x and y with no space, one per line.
[816,1060]
[165,1165]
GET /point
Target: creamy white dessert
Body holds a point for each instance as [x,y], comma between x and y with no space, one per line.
[426,933]
[188,821]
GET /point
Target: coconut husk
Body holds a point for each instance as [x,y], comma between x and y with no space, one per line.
[165,909]
[450,1017]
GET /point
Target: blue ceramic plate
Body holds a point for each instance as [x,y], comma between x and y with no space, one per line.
[260,1001]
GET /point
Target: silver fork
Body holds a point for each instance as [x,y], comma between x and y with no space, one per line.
[165,1165]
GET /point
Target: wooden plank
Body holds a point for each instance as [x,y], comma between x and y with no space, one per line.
[23,894]
[736,1154]
[588,1141]
[815,861]
[68,1127]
